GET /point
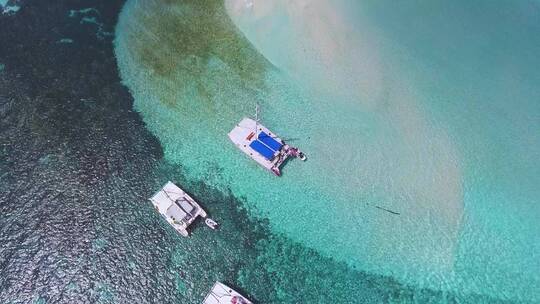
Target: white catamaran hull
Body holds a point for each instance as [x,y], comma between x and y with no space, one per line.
[269,152]
[223,294]
[177,207]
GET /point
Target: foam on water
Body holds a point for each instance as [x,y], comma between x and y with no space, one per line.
[65,40]
[8,9]
[374,133]
[92,16]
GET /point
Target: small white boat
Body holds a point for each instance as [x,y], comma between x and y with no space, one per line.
[223,294]
[177,207]
[262,145]
[211,223]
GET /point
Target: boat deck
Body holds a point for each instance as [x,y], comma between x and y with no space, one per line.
[259,143]
[223,294]
[177,207]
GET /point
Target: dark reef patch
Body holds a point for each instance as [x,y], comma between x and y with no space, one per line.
[196,36]
[178,40]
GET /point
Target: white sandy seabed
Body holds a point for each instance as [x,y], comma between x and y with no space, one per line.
[340,93]
[382,139]
[370,144]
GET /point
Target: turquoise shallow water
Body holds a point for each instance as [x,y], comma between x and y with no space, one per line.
[429,110]
[476,71]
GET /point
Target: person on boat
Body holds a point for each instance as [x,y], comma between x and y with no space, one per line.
[293,152]
[238,300]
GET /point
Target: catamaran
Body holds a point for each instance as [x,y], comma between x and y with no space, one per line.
[223,294]
[179,209]
[262,145]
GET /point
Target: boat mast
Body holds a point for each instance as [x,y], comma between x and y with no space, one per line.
[256,116]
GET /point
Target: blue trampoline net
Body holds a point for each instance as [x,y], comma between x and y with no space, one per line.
[269,141]
[262,149]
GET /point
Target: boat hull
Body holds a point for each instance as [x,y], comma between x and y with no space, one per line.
[259,143]
[173,204]
[223,294]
